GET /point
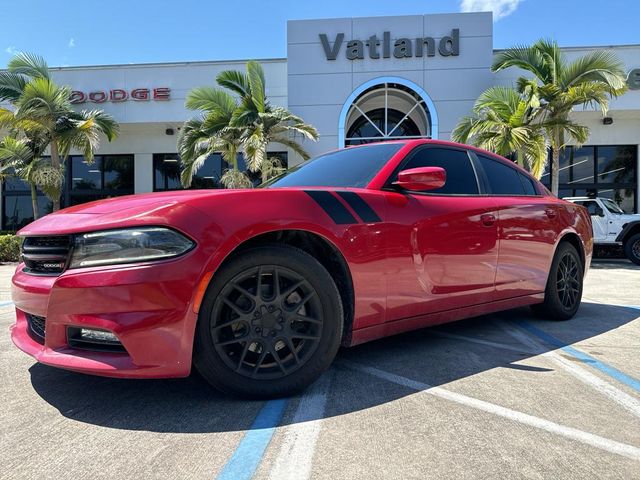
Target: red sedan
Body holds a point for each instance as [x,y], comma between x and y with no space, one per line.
[259,288]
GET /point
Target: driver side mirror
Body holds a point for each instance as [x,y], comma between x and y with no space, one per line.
[599,211]
[421,178]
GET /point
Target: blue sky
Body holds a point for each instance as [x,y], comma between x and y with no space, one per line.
[92,32]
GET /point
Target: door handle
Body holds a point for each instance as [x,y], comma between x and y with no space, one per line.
[551,213]
[488,219]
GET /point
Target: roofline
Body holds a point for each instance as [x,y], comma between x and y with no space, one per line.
[583,47]
[167,64]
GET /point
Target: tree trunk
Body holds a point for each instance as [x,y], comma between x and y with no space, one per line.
[34,201]
[555,170]
[55,163]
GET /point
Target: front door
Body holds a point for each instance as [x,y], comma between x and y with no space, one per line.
[442,244]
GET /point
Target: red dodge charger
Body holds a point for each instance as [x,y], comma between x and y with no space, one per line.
[259,288]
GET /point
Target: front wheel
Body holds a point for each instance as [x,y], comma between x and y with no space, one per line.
[270,323]
[632,248]
[564,286]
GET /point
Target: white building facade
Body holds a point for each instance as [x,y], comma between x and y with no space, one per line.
[357,80]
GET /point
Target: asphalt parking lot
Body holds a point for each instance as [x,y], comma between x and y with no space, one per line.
[500,396]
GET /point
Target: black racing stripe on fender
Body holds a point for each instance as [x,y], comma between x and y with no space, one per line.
[362,208]
[332,206]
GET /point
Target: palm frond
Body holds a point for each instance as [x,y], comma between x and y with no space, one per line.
[29,64]
[255,76]
[235,81]
[11,86]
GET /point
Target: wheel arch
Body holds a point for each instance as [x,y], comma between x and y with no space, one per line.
[318,246]
[629,230]
[574,239]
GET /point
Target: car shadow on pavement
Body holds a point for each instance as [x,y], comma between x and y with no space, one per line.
[433,356]
[610,264]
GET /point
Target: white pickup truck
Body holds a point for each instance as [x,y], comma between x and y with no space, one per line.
[611,226]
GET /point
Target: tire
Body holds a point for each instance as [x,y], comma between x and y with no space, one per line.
[563,292]
[276,343]
[632,248]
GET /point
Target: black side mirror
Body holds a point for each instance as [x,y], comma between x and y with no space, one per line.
[599,211]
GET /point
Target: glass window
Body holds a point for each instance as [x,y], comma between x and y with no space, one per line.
[581,165]
[118,172]
[166,171]
[616,164]
[625,198]
[564,165]
[350,167]
[461,179]
[591,206]
[17,210]
[611,206]
[528,184]
[503,179]
[85,176]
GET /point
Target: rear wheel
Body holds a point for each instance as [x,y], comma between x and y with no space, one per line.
[270,323]
[632,248]
[564,286]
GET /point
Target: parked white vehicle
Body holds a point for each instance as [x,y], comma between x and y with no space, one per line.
[611,226]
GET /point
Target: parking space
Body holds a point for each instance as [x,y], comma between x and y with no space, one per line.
[499,396]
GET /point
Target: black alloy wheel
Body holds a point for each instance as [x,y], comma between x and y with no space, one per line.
[567,281]
[270,323]
[563,292]
[632,248]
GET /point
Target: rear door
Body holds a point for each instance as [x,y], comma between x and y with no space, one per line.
[442,248]
[527,229]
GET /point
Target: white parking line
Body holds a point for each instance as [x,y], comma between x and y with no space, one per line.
[605,388]
[596,441]
[295,459]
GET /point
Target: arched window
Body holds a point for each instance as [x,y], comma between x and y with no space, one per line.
[387,111]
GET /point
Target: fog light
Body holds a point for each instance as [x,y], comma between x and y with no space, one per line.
[93,339]
[90,334]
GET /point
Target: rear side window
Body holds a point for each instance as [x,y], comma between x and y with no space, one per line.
[503,180]
[461,178]
[527,183]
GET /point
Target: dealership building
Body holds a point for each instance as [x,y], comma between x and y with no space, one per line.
[357,80]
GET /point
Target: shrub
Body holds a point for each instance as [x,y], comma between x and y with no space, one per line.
[10,248]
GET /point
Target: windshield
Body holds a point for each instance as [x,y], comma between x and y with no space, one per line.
[611,206]
[351,167]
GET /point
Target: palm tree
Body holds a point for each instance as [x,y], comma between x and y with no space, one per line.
[22,157]
[202,137]
[503,121]
[559,86]
[42,108]
[263,123]
[239,119]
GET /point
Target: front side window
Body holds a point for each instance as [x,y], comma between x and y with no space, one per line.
[611,206]
[461,178]
[503,179]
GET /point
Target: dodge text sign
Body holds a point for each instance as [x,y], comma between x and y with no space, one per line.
[120,95]
[448,45]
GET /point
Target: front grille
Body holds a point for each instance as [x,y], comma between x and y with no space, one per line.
[36,327]
[46,255]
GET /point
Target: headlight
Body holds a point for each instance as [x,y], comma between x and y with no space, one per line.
[127,246]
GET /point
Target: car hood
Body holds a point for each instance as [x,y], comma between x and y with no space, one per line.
[140,209]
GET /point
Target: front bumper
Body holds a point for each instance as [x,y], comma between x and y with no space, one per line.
[149,308]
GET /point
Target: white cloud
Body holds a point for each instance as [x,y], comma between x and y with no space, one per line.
[500,8]
[11,50]
[72,42]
